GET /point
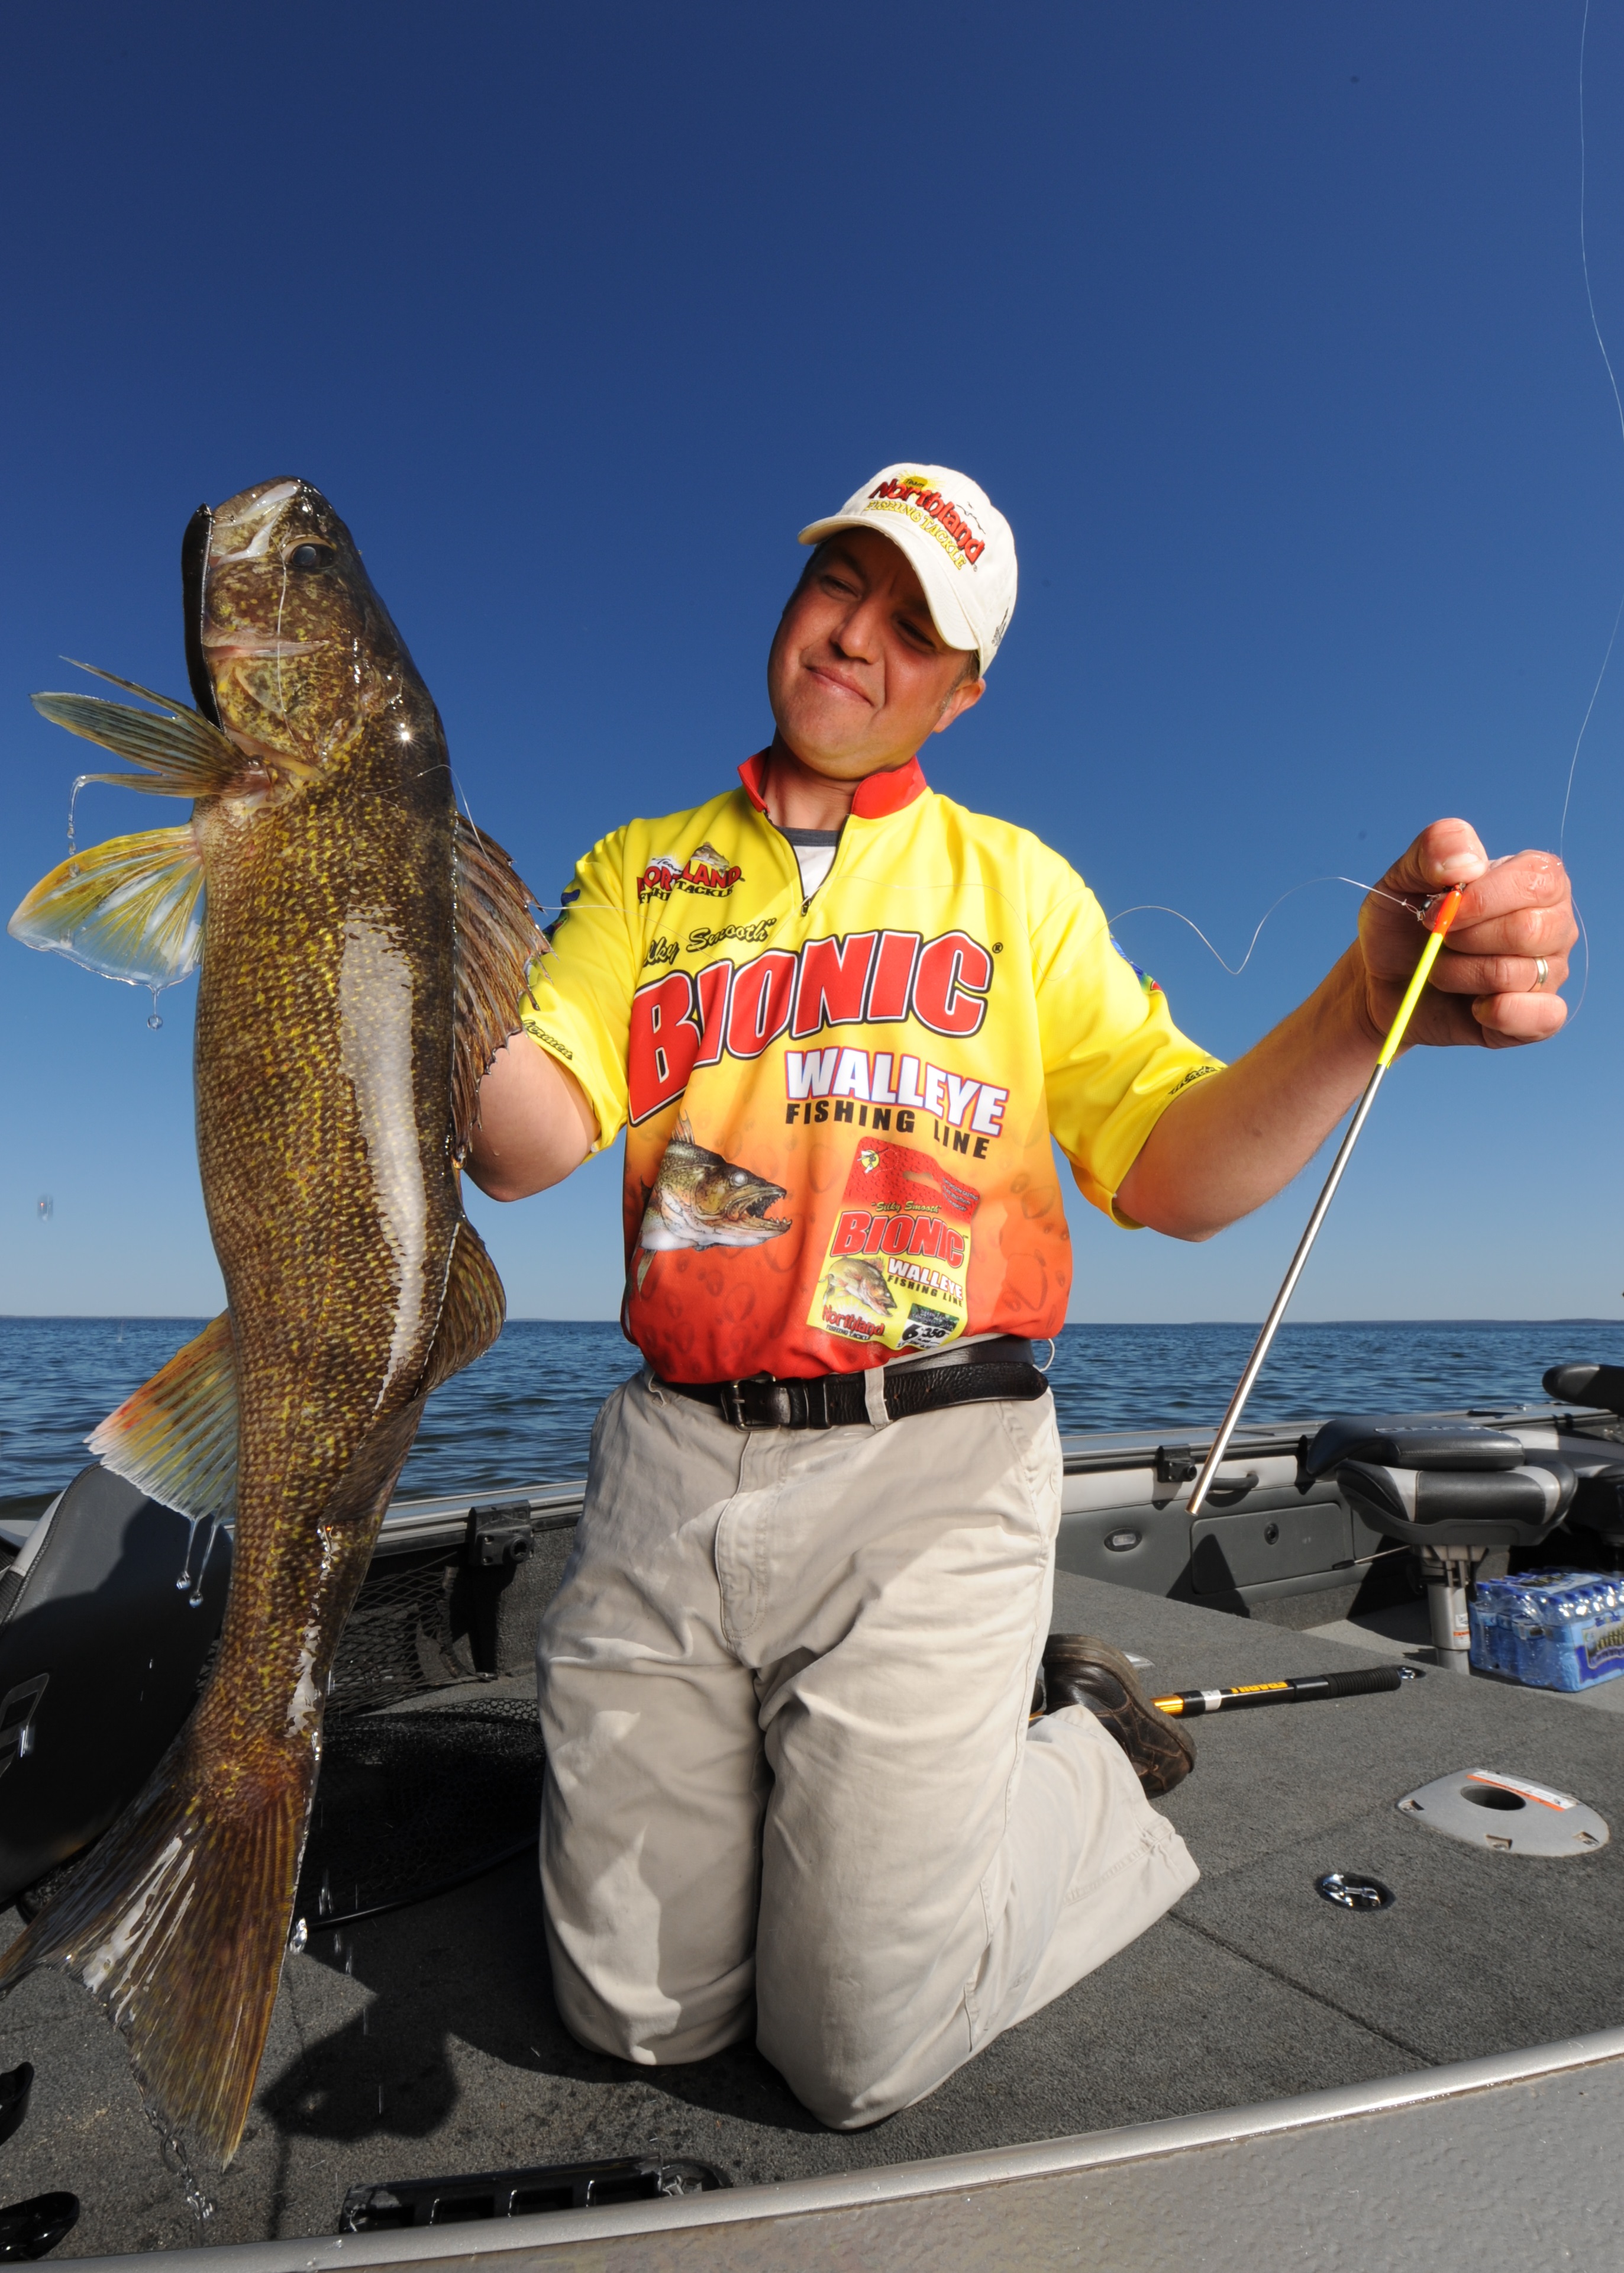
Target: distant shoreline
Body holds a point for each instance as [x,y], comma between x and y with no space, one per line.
[1096,1325]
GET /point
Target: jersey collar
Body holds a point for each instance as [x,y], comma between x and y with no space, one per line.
[878,795]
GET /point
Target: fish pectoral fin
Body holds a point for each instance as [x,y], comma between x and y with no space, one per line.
[180,751]
[175,1437]
[497,940]
[472,1313]
[132,908]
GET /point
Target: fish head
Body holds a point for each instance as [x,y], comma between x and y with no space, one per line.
[289,646]
[713,1202]
[733,1202]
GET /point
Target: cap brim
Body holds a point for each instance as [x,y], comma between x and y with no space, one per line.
[935,577]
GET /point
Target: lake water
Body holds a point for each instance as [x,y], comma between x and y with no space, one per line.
[524,1413]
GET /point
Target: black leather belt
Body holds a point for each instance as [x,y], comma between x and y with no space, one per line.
[840,1400]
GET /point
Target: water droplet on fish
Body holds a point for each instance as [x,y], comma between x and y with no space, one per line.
[44,1209]
[380,2098]
[183,1583]
[323,1900]
[300,1935]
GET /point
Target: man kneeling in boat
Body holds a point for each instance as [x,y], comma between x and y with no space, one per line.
[816,1773]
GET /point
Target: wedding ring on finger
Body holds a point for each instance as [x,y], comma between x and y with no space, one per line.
[1542,971]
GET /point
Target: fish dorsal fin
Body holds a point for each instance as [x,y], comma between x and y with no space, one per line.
[683,1132]
[175,1437]
[472,1313]
[180,753]
[497,940]
[132,908]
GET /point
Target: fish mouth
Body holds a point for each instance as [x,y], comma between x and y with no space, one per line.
[753,1211]
[244,525]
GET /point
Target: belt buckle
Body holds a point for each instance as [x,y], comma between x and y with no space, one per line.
[757,1402]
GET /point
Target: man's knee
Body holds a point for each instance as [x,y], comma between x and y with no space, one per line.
[856,2042]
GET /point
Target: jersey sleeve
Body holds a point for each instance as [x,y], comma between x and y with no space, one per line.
[1113,1060]
[580,1004]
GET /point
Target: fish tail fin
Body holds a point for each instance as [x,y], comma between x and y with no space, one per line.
[177,1923]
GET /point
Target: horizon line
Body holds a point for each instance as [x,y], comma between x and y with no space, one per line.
[1451,1318]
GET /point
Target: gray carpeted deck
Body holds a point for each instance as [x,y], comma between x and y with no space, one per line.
[426,2041]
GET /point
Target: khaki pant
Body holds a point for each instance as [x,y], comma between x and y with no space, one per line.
[791,1788]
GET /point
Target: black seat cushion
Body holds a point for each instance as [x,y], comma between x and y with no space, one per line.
[1508,1507]
[1598,1503]
[1401,1445]
[1587,1384]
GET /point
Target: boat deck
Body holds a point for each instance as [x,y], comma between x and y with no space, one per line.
[425,2042]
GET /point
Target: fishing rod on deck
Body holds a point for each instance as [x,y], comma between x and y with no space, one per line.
[1443,916]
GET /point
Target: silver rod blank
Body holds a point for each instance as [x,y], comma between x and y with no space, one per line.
[1260,1349]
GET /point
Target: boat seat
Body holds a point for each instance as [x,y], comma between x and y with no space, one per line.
[1461,1507]
[1587,1384]
[1598,1503]
[1406,1445]
[1453,1493]
[102,1652]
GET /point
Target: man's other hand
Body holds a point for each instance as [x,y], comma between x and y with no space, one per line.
[1486,985]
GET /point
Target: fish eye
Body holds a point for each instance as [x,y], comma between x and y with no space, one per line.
[312,556]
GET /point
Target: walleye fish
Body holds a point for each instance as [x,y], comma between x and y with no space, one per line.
[699,1199]
[364,953]
[853,1283]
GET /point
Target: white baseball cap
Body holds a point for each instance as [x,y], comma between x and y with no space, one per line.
[959,544]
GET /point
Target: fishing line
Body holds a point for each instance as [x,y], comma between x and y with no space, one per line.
[1618,404]
[1156,907]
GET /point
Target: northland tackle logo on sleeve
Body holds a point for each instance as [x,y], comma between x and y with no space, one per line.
[705,872]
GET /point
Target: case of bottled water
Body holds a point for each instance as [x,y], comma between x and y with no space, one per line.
[1550,1629]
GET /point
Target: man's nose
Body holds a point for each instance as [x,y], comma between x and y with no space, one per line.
[859,636]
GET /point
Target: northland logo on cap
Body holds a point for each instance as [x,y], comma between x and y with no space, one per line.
[961,547]
[961,533]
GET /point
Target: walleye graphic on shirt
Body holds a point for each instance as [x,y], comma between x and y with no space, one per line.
[899,1255]
[853,1283]
[699,1199]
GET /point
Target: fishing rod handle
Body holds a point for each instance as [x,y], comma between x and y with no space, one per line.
[1300,1688]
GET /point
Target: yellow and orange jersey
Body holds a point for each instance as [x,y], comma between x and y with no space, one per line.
[838,1111]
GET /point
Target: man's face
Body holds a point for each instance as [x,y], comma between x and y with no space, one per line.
[859,676]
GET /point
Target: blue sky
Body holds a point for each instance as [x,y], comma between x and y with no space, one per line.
[1265,325]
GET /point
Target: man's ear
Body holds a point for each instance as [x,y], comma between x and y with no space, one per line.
[964,697]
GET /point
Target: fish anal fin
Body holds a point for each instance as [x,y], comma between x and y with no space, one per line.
[497,940]
[177,1923]
[130,909]
[180,753]
[472,1313]
[175,1437]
